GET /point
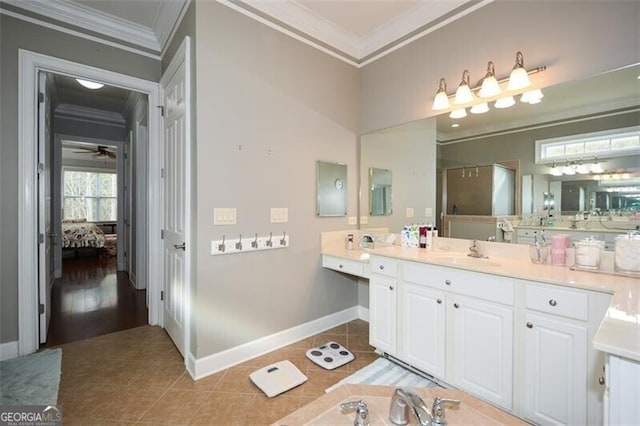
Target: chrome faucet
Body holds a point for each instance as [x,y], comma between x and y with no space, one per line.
[362,413]
[404,401]
[474,250]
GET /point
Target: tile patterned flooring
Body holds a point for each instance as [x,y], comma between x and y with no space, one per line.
[110,380]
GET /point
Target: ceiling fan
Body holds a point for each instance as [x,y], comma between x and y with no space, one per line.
[98,151]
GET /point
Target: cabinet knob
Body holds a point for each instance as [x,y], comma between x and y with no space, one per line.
[601,380]
[529,325]
[340,266]
[390,287]
[553,302]
[456,305]
[439,301]
[447,282]
[381,267]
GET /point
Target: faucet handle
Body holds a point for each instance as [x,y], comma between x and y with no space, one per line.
[362,412]
[437,410]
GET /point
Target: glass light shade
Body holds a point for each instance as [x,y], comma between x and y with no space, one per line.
[596,168]
[582,168]
[532,96]
[90,84]
[490,87]
[458,113]
[569,170]
[505,102]
[479,108]
[463,95]
[441,101]
[519,79]
[556,171]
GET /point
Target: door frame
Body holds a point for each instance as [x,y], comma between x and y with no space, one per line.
[29,64]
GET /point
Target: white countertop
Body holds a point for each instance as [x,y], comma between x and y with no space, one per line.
[619,332]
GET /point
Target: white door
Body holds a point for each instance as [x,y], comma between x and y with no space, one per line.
[382,313]
[45,235]
[482,349]
[555,371]
[422,312]
[175,87]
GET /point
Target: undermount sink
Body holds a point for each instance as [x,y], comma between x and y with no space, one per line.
[465,261]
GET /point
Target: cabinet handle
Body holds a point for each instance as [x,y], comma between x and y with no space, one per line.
[456,305]
[553,302]
[529,325]
[391,287]
[601,380]
[381,267]
[447,282]
[439,301]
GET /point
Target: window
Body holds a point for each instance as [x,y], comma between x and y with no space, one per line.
[610,143]
[91,195]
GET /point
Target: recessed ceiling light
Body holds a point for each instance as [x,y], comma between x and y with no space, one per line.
[90,84]
[455,125]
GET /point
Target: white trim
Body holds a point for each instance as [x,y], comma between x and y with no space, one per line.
[74,13]
[202,367]
[29,64]
[89,115]
[8,350]
[79,34]
[363,313]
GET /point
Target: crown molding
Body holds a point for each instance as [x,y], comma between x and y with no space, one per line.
[91,115]
[168,17]
[93,20]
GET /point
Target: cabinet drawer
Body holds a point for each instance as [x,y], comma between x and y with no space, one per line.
[557,301]
[384,266]
[343,265]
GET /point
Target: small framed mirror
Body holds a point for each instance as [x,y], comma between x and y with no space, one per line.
[331,191]
[549,202]
[380,189]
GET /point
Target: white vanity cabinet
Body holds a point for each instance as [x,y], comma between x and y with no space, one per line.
[451,328]
[383,304]
[622,395]
[558,388]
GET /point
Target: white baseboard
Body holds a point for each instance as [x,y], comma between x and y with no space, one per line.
[8,350]
[363,313]
[202,367]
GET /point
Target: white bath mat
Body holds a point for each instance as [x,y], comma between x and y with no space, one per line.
[383,372]
[277,378]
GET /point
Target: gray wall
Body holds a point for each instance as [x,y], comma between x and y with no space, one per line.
[268,108]
[574,39]
[16,34]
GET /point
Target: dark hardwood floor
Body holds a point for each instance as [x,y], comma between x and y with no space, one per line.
[91,299]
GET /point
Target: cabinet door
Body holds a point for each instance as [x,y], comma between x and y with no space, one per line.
[382,314]
[555,371]
[422,313]
[482,348]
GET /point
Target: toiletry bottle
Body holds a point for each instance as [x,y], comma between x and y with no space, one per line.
[429,235]
[349,241]
[423,236]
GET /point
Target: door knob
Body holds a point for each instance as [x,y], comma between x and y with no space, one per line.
[179,246]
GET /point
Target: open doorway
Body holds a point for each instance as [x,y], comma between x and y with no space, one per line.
[96,176]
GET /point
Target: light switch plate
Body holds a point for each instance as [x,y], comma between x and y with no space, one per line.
[224,216]
[409,212]
[428,212]
[353,220]
[279,215]
[364,220]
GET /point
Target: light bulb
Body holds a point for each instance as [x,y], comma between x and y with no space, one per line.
[479,108]
[582,168]
[569,170]
[555,170]
[596,167]
[458,113]
[505,102]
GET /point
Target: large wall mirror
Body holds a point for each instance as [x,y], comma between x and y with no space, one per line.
[417,153]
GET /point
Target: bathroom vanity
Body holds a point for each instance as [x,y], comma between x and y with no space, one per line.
[531,339]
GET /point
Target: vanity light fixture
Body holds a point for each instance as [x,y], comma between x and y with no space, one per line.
[479,108]
[569,169]
[458,113]
[555,170]
[90,84]
[596,167]
[463,93]
[519,78]
[505,102]
[582,168]
[490,86]
[441,101]
[532,96]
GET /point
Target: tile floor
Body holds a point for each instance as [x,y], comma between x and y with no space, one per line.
[110,380]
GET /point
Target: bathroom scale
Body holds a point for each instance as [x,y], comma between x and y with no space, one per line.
[277,378]
[330,355]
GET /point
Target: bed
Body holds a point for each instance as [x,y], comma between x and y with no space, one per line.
[81,238]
